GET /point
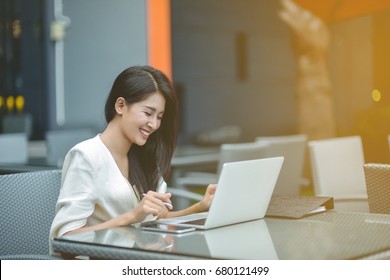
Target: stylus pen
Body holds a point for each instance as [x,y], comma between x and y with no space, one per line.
[165,203]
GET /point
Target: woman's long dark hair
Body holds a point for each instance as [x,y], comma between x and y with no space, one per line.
[147,163]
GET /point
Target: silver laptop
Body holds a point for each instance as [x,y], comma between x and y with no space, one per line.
[243,193]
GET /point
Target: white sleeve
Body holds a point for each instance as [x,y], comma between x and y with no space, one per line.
[77,197]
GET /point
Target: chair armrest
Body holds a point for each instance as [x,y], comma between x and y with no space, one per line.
[213,176]
[196,181]
[185,194]
[351,198]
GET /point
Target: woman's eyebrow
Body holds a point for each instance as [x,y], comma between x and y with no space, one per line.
[153,109]
[150,108]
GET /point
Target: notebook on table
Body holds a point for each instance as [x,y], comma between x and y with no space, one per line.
[298,206]
[243,194]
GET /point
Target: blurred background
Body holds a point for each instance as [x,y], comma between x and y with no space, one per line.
[234,63]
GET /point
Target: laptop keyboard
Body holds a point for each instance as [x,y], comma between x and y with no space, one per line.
[196,222]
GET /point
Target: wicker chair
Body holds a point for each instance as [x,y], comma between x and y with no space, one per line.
[378,187]
[27,207]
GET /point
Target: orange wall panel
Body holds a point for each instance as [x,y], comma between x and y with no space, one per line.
[159,35]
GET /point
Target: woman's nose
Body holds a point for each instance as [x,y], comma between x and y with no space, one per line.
[153,123]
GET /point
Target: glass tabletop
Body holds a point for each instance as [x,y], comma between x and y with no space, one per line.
[330,235]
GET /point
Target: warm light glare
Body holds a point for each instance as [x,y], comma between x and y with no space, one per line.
[376,95]
[1,101]
[10,103]
[19,102]
[16,29]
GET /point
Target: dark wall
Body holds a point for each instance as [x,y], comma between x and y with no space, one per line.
[22,56]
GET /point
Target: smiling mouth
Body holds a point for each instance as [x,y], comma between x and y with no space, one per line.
[145,133]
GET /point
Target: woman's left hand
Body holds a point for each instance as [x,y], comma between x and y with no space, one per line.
[205,203]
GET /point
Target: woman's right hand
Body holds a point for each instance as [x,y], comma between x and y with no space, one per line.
[152,203]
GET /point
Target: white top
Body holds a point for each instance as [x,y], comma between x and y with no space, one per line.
[93,190]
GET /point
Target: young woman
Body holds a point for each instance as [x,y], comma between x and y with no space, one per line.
[116,178]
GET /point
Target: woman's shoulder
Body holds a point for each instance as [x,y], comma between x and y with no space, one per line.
[92,154]
[92,148]
[91,143]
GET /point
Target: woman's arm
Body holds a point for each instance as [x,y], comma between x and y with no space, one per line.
[151,204]
[122,220]
[200,206]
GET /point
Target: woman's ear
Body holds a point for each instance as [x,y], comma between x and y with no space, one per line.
[120,104]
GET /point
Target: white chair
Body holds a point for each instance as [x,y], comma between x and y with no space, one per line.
[59,142]
[293,149]
[13,148]
[337,169]
[18,123]
[228,153]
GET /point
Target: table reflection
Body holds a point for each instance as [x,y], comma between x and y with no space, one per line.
[221,243]
[128,237]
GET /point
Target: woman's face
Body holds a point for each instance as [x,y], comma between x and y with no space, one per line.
[140,120]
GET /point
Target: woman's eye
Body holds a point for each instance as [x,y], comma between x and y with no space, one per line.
[148,114]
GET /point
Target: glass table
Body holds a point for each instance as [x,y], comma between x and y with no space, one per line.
[326,236]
